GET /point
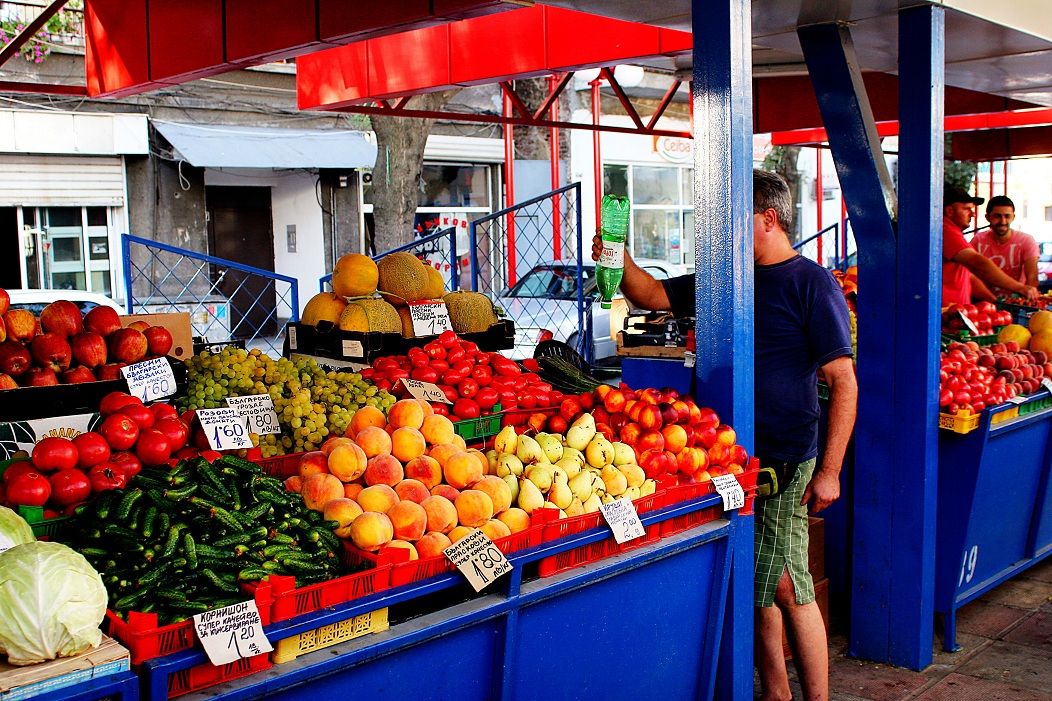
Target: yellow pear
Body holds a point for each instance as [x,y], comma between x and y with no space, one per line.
[551,445]
[529,451]
[574,453]
[513,484]
[647,488]
[559,474]
[579,436]
[584,420]
[491,457]
[599,452]
[508,465]
[632,493]
[570,466]
[581,485]
[633,473]
[615,481]
[541,476]
[608,498]
[560,495]
[506,441]
[530,497]
[576,508]
[591,505]
[623,454]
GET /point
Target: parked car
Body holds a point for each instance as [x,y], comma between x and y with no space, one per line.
[543,305]
[36,300]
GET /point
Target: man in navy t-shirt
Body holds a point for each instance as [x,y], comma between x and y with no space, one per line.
[802,324]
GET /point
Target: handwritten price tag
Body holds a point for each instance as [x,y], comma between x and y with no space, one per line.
[352,349]
[968,323]
[258,410]
[478,559]
[231,633]
[225,428]
[731,491]
[425,390]
[1047,384]
[429,318]
[623,520]
[293,341]
[150,379]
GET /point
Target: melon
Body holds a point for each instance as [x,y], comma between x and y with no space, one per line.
[404,276]
[355,275]
[370,315]
[407,322]
[1042,342]
[1040,321]
[1014,332]
[324,306]
[470,312]
[436,286]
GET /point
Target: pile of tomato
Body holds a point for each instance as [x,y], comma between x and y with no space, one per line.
[973,377]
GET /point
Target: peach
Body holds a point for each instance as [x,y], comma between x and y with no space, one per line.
[366,416]
[379,498]
[437,429]
[675,438]
[462,469]
[294,484]
[650,439]
[426,406]
[481,457]
[352,490]
[459,532]
[444,490]
[371,531]
[443,451]
[459,442]
[425,469]
[343,511]
[496,529]
[515,519]
[411,490]
[497,489]
[406,413]
[383,469]
[409,520]
[333,441]
[474,507]
[347,461]
[313,463]
[650,417]
[407,443]
[319,489]
[413,554]
[432,544]
[374,441]
[441,514]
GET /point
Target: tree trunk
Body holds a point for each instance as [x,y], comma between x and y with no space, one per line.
[400,145]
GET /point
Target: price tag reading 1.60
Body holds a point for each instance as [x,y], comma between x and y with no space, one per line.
[225,428]
[258,410]
[150,379]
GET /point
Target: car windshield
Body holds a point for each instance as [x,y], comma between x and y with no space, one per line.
[553,282]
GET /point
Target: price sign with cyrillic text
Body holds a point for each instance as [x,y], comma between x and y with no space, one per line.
[478,559]
[150,379]
[232,632]
[225,428]
[623,520]
[426,391]
[429,318]
[258,410]
[728,487]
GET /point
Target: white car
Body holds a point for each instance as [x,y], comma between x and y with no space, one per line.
[543,305]
[36,300]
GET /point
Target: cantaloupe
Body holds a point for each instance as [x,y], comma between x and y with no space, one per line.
[436,286]
[324,306]
[1042,341]
[1040,321]
[470,312]
[370,315]
[404,276]
[407,322]
[354,275]
[1014,332]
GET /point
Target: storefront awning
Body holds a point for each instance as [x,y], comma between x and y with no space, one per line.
[218,146]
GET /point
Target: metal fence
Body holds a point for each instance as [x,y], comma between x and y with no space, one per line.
[226,300]
[439,250]
[528,258]
[837,247]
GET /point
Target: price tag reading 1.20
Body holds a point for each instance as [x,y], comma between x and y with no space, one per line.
[225,428]
[426,391]
[429,318]
[231,633]
[258,410]
[478,559]
[623,520]
[150,379]
[731,491]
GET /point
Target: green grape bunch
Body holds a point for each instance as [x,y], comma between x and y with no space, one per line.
[311,403]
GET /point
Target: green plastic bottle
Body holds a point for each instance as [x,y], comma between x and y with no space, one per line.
[614,232]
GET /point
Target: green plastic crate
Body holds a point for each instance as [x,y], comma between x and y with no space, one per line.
[482,427]
[50,528]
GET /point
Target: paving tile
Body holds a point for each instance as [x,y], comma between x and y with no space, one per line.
[1021,593]
[1041,572]
[959,687]
[1011,663]
[970,645]
[876,682]
[987,619]
[1035,631]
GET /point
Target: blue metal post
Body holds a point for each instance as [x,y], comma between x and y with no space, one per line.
[126,262]
[454,269]
[473,247]
[722,99]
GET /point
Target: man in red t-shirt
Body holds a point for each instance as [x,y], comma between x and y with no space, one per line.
[960,260]
[1012,251]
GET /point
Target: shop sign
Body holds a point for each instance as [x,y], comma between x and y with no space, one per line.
[674,149]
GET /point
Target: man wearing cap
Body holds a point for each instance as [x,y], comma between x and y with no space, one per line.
[1014,252]
[960,260]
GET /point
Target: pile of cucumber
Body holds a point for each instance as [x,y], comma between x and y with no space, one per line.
[180,541]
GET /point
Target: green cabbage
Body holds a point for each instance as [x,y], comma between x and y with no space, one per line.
[13,529]
[52,603]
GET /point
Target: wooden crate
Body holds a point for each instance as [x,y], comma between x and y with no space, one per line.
[26,682]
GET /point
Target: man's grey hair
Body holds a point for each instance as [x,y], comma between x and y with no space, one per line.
[770,191]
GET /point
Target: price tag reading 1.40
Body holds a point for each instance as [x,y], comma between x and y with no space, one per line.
[478,559]
[426,391]
[258,410]
[225,428]
[231,633]
[429,318]
[150,379]
[623,520]
[731,491]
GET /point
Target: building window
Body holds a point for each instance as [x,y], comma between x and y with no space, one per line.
[67,248]
[662,223]
[1048,213]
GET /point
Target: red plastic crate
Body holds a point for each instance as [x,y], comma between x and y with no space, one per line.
[146,640]
[205,675]
[280,466]
[694,490]
[582,555]
[289,601]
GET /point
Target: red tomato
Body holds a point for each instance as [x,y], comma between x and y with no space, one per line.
[447,338]
[527,401]
[395,375]
[127,462]
[18,468]
[455,355]
[439,366]
[450,392]
[120,431]
[425,374]
[188,416]
[468,388]
[466,409]
[469,346]
[436,350]
[28,489]
[506,367]
[163,411]
[440,408]
[487,397]
[106,476]
[115,400]
[186,453]
[140,414]
[508,399]
[452,377]
[153,447]
[69,487]
[945,397]
[463,368]
[92,449]
[385,363]
[174,430]
[53,453]
[482,374]
[419,360]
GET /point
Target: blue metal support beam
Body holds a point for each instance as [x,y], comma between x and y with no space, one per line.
[868,193]
[722,101]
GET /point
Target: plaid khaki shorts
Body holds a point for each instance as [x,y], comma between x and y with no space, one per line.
[780,541]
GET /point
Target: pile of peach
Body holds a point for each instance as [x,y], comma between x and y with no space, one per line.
[406,480]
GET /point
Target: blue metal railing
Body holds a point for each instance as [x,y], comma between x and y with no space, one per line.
[454,269]
[177,279]
[839,260]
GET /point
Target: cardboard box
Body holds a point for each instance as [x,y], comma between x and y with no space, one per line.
[177,323]
[649,351]
[23,435]
[25,682]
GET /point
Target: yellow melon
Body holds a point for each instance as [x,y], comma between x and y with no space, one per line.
[407,322]
[403,275]
[470,312]
[1042,341]
[1014,332]
[370,315]
[1040,321]
[355,275]
[436,286]
[324,306]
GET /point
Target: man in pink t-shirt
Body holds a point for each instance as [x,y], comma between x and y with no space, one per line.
[1013,252]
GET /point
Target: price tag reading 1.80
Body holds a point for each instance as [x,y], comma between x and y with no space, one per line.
[225,428]
[258,410]
[478,559]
